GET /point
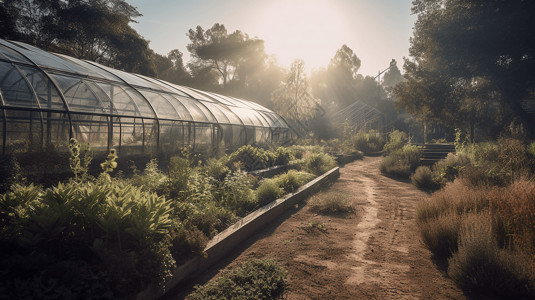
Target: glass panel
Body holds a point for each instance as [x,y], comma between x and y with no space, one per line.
[194,93]
[158,84]
[11,55]
[244,115]
[132,79]
[174,88]
[249,135]
[124,105]
[183,113]
[203,134]
[151,136]
[163,108]
[78,95]
[238,136]
[46,92]
[116,133]
[142,104]
[49,60]
[209,116]
[92,69]
[220,99]
[131,132]
[14,88]
[173,136]
[102,96]
[250,104]
[56,127]
[270,122]
[23,131]
[197,114]
[91,129]
[220,116]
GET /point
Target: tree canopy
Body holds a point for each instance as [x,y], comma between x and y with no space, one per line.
[471,61]
[97,30]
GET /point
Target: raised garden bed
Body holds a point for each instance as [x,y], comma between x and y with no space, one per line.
[230,238]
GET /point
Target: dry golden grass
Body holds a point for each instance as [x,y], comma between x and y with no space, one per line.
[332,204]
[480,265]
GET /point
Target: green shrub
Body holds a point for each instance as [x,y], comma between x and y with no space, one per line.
[480,265]
[236,193]
[250,158]
[332,204]
[216,168]
[423,179]
[268,191]
[283,156]
[401,163]
[254,279]
[396,140]
[107,217]
[180,172]
[446,170]
[318,163]
[292,180]
[368,142]
[151,180]
[187,242]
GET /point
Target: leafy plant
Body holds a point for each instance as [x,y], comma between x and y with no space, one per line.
[396,140]
[268,191]
[80,159]
[401,163]
[254,279]
[318,163]
[292,180]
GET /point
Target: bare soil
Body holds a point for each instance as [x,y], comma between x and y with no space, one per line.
[376,253]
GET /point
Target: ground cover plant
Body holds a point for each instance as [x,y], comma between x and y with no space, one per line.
[332,204]
[108,236]
[254,279]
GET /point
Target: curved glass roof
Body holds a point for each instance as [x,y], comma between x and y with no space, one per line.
[33,78]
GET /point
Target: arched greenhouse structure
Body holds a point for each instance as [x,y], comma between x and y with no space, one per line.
[47,98]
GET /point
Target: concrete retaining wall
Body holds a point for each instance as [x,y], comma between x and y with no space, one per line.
[230,238]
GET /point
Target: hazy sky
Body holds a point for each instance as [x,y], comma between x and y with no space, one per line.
[312,30]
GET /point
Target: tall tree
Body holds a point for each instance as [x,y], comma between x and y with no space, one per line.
[97,30]
[171,67]
[292,99]
[392,76]
[336,84]
[232,57]
[465,43]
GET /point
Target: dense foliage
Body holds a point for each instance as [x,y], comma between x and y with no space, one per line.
[254,279]
[111,236]
[472,64]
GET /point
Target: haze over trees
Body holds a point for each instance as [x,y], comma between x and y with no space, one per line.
[472,65]
[231,63]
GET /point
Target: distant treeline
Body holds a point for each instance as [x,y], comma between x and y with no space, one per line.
[232,63]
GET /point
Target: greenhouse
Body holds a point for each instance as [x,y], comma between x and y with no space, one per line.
[48,98]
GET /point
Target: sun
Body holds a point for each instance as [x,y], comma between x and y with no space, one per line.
[311,30]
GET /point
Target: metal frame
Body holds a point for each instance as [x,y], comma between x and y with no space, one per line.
[186,104]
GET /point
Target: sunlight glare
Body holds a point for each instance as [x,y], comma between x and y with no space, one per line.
[311,30]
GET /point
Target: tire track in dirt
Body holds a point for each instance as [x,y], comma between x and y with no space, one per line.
[375,254]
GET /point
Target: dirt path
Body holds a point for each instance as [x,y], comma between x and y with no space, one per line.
[375,254]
